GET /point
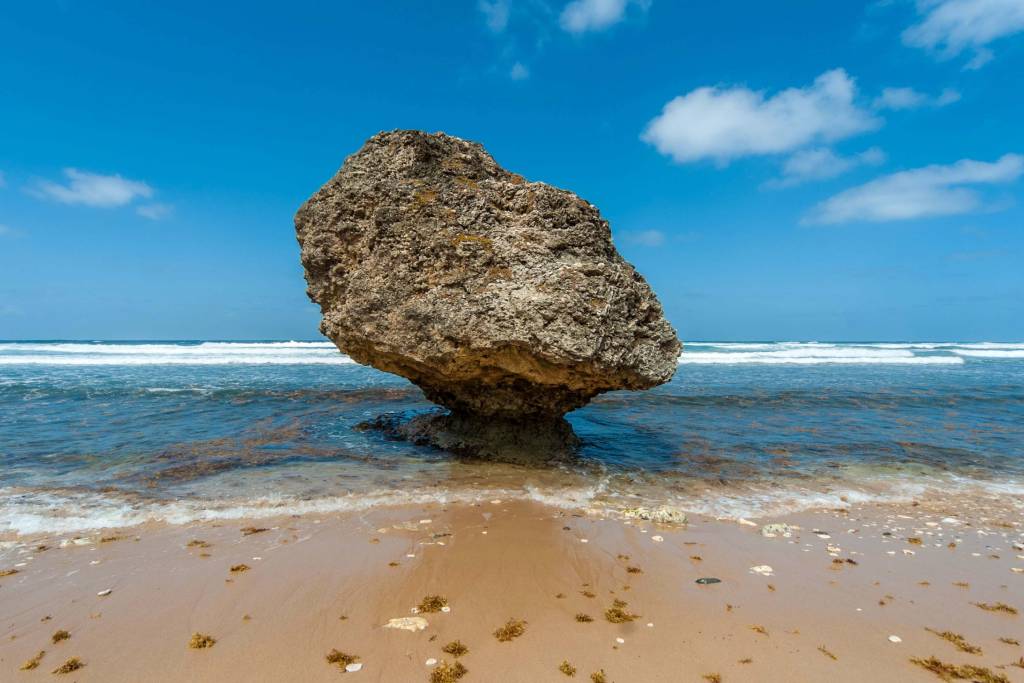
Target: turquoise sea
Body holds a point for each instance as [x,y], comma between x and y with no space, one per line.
[96,434]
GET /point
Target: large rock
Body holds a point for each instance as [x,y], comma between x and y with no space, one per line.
[504,300]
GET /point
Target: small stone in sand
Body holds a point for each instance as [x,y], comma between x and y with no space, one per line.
[59,636]
[73,664]
[448,673]
[201,641]
[566,668]
[707,580]
[34,662]
[407,623]
[513,628]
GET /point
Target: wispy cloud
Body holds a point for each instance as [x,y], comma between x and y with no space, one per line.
[950,27]
[495,14]
[908,98]
[154,211]
[92,189]
[518,72]
[724,123]
[918,193]
[644,238]
[821,163]
[581,16]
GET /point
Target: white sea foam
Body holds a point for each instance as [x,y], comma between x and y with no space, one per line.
[1005,353]
[206,353]
[848,356]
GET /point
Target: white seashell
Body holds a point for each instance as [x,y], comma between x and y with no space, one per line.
[407,623]
[763,570]
[430,662]
[657,539]
[446,609]
[353,667]
[895,639]
[426,521]
[620,641]
[107,591]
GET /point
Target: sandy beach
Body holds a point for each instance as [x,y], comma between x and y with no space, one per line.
[826,601]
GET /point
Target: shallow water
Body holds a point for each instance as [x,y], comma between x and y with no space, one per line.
[104,434]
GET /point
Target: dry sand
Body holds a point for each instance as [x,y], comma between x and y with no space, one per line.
[319,583]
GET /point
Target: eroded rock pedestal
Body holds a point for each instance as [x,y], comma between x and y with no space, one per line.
[504,300]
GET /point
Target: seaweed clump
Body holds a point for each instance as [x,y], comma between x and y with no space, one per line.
[617,613]
[73,664]
[567,668]
[958,640]
[456,649]
[239,568]
[599,677]
[584,618]
[513,628]
[34,662]
[433,603]
[201,641]
[342,659]
[59,636]
[448,673]
[967,672]
[995,607]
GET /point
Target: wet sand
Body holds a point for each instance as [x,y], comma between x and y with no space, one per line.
[322,582]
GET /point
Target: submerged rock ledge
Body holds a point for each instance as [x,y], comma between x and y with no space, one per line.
[504,300]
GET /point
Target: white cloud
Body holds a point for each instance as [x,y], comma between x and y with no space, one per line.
[495,14]
[645,238]
[519,72]
[726,123]
[580,16]
[918,193]
[950,27]
[908,98]
[92,189]
[154,211]
[821,163]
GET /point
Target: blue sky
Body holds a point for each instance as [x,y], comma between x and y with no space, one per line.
[794,170]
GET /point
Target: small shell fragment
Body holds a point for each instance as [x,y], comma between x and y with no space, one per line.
[106,591]
[895,639]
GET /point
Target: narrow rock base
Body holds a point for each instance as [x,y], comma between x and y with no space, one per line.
[528,440]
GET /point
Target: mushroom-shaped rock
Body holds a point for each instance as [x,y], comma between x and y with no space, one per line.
[504,300]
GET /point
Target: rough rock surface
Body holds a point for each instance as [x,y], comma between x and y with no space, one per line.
[503,300]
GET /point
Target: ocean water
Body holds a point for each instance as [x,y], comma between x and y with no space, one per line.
[103,434]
